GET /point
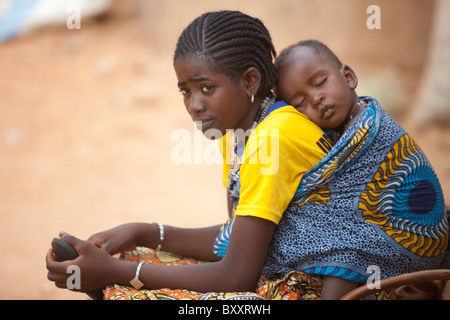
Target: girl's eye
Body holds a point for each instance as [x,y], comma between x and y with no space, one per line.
[184,91]
[206,89]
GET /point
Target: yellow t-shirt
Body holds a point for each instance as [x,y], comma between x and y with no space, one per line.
[278,152]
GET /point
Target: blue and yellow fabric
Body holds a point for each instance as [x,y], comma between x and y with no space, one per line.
[374,200]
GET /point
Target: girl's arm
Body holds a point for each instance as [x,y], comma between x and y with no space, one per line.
[239,270]
[193,243]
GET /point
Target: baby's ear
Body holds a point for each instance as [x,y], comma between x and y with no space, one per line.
[350,76]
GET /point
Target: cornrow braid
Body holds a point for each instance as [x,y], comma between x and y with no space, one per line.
[230,42]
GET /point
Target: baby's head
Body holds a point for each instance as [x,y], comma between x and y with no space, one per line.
[313,80]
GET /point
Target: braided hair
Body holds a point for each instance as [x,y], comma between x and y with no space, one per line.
[230,42]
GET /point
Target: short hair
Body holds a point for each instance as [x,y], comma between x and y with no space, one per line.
[315,45]
[230,42]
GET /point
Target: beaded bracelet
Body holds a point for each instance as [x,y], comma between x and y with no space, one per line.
[161,235]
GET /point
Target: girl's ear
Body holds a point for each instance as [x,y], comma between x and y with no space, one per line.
[252,80]
[350,76]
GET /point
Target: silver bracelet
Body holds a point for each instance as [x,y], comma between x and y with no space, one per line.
[136,283]
[161,235]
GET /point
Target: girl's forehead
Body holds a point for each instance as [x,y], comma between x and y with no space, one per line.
[190,70]
[191,65]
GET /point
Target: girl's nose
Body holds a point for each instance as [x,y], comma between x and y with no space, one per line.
[195,104]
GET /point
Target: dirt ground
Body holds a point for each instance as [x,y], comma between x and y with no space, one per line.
[87,117]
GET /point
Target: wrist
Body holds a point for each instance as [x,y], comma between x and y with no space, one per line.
[147,235]
[161,235]
[123,272]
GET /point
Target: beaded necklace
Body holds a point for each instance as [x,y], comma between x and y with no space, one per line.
[261,114]
[360,105]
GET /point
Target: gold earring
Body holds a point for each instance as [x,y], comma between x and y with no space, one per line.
[252,99]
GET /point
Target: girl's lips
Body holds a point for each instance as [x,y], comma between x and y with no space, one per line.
[204,125]
[326,111]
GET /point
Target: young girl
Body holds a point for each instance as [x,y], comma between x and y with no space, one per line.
[224,65]
[373,207]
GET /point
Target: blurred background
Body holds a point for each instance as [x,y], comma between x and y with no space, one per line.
[86,115]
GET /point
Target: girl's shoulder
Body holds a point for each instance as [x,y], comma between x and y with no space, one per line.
[288,123]
[286,118]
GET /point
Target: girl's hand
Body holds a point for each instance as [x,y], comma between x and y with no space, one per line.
[117,240]
[95,267]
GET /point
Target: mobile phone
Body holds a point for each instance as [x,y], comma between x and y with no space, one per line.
[64,251]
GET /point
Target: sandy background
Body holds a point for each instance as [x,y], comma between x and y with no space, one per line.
[86,118]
